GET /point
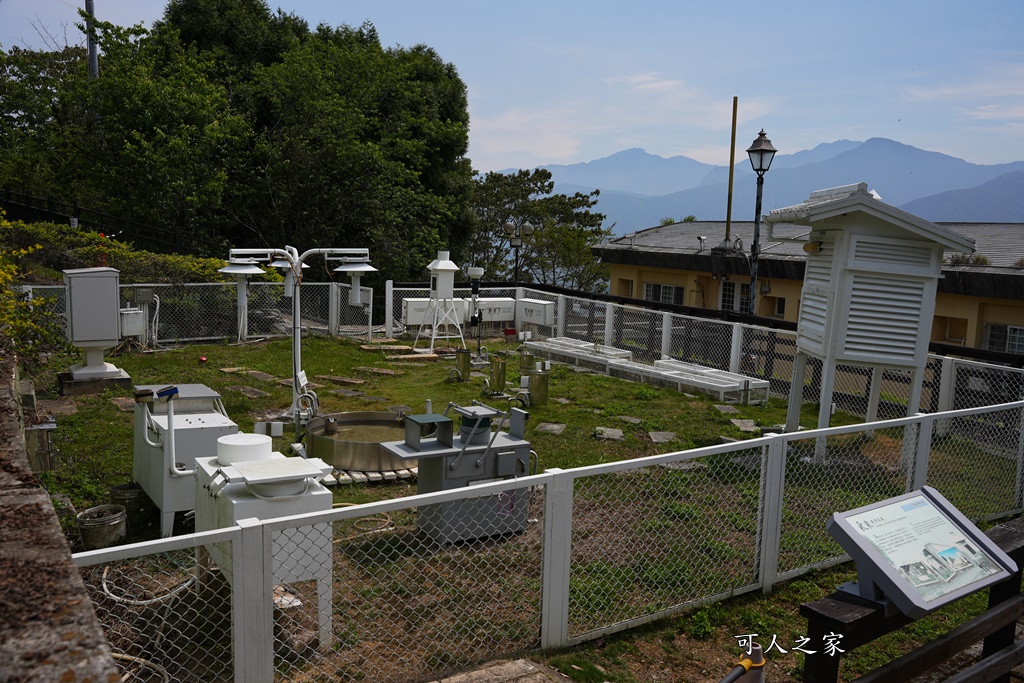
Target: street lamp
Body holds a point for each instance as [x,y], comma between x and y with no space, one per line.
[515,240]
[761,154]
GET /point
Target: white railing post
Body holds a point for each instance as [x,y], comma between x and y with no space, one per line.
[666,335]
[560,316]
[609,323]
[1018,498]
[922,456]
[736,350]
[773,482]
[947,385]
[369,316]
[389,307]
[554,621]
[252,605]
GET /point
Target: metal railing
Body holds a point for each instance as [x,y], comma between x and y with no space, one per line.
[601,549]
[759,352]
[194,312]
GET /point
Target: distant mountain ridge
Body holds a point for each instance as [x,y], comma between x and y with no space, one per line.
[638,189]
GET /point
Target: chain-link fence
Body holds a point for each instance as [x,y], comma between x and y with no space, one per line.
[422,587]
[171,313]
[166,610]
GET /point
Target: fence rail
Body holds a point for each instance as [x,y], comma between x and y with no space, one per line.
[603,548]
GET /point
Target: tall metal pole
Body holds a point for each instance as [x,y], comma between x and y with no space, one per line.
[93,63]
[732,168]
[515,275]
[755,248]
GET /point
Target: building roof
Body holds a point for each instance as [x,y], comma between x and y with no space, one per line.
[1002,244]
[836,201]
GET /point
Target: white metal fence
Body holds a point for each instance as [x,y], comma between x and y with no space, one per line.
[193,312]
[758,352]
[605,548]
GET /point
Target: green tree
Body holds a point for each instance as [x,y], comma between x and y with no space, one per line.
[557,253]
[44,143]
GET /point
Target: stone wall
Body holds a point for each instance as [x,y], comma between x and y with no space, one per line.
[48,629]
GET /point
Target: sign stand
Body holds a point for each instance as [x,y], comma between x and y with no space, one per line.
[917,553]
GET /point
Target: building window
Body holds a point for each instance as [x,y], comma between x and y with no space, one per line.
[780,306]
[666,294]
[1007,338]
[730,302]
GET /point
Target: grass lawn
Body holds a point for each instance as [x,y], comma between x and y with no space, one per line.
[95,453]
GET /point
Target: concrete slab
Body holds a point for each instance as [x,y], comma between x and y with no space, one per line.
[348,393]
[662,437]
[518,671]
[249,391]
[609,434]
[728,410]
[745,425]
[380,371]
[630,420]
[124,403]
[259,375]
[550,428]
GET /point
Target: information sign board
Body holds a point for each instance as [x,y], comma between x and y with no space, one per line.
[918,551]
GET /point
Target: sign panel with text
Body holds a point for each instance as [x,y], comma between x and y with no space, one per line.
[919,551]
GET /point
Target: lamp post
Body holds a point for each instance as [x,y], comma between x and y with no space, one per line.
[516,233]
[290,258]
[761,154]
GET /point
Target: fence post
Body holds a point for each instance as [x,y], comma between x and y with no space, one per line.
[922,456]
[369,318]
[333,308]
[666,335]
[554,620]
[389,307]
[773,483]
[252,606]
[609,323]
[560,316]
[947,386]
[736,351]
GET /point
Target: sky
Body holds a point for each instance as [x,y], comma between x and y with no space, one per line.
[561,82]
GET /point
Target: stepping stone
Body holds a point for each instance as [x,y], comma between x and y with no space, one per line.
[374,476]
[259,375]
[340,380]
[124,403]
[550,428]
[403,474]
[425,357]
[358,477]
[380,371]
[342,477]
[390,476]
[662,437]
[745,425]
[249,391]
[231,370]
[609,434]
[728,410]
[385,347]
[349,393]
[309,385]
[474,373]
[563,401]
[630,420]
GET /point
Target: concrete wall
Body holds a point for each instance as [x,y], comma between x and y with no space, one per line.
[48,629]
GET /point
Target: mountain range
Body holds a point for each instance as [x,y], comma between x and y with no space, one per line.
[638,189]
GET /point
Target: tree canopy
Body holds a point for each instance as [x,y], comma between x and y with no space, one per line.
[231,123]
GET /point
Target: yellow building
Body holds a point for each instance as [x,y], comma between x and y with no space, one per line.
[702,265]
